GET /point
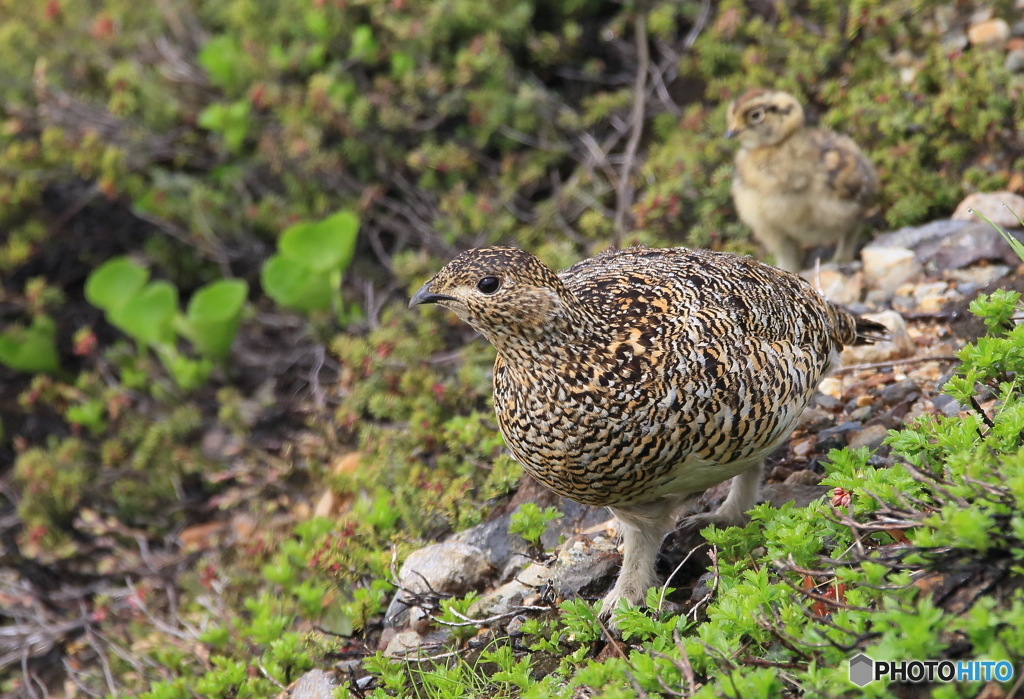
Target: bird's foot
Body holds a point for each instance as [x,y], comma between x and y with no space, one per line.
[694,523]
[633,594]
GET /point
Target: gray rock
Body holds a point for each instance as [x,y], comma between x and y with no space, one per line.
[886,268]
[913,236]
[947,405]
[815,419]
[410,644]
[967,288]
[898,392]
[585,568]
[978,276]
[954,40]
[515,627]
[825,402]
[840,429]
[499,547]
[835,437]
[451,567]
[975,243]
[1014,62]
[862,414]
[506,552]
[315,684]
[870,437]
[949,244]
[803,477]
[1018,28]
[582,567]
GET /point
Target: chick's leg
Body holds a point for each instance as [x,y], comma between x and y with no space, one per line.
[846,246]
[788,253]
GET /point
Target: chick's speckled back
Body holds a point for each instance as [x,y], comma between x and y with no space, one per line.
[681,368]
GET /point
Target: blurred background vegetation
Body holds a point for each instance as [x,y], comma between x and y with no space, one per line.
[166,435]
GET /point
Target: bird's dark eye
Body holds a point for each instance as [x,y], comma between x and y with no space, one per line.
[755,116]
[488,285]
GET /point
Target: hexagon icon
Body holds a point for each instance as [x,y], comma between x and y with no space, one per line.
[862,669]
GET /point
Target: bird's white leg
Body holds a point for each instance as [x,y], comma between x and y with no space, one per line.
[642,534]
[742,497]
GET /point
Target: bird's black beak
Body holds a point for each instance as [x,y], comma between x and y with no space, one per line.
[424,295]
[731,133]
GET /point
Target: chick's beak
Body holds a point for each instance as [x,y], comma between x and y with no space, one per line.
[731,133]
[425,295]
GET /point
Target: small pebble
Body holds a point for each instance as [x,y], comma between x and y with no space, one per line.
[815,419]
[1015,61]
[825,402]
[862,414]
[835,437]
[898,392]
[804,477]
[870,437]
[946,405]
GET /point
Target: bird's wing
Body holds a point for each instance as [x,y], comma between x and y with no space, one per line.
[847,171]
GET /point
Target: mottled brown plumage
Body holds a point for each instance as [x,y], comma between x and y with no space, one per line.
[797,186]
[641,377]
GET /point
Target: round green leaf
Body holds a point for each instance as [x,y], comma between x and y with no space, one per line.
[323,245]
[213,316]
[114,282]
[149,315]
[295,285]
[31,349]
[222,300]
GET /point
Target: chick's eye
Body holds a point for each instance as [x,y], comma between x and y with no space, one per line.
[756,116]
[488,285]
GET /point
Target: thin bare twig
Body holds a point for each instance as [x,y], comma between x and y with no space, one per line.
[713,554]
[895,362]
[698,24]
[664,588]
[624,195]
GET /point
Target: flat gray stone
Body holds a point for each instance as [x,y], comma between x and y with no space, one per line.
[871,437]
[898,392]
[949,244]
[450,567]
[315,684]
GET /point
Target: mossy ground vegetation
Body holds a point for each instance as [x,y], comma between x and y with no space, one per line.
[205,504]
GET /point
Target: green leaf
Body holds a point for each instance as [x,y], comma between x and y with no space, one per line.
[213,314]
[324,245]
[219,57]
[114,282]
[294,285]
[364,46]
[148,316]
[1015,244]
[31,350]
[229,120]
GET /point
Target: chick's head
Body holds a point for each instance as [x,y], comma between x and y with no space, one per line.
[763,118]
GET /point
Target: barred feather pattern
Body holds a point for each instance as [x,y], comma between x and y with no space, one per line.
[642,375]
